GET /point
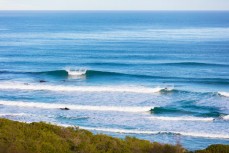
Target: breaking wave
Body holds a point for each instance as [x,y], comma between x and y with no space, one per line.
[134,89]
[182,118]
[77,72]
[225,94]
[76,107]
[225,117]
[146,132]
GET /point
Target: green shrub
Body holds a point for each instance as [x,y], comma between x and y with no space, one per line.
[17,137]
[217,148]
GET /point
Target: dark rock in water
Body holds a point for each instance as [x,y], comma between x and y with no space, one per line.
[42,81]
[65,108]
[26,83]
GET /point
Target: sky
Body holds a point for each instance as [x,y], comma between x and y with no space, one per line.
[114,4]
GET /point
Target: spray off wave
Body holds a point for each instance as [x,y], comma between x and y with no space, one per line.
[78,72]
[20,86]
[129,109]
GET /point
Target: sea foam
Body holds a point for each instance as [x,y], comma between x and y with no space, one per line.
[131,109]
[78,72]
[226,117]
[148,132]
[225,94]
[13,114]
[130,89]
[182,118]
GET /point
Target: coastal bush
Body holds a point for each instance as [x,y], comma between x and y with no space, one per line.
[17,137]
[216,148]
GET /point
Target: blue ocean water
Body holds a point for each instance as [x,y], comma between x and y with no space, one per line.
[159,76]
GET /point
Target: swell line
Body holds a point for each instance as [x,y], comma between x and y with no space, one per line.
[95,73]
[194,64]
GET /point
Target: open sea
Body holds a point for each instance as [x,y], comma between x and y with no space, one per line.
[161,76]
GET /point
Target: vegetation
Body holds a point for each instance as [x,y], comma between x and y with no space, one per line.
[17,137]
[217,148]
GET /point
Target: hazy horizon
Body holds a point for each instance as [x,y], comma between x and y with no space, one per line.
[117,5]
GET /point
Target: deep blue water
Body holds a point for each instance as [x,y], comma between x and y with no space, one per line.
[160,76]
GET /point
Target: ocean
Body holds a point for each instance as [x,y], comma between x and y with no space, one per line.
[156,75]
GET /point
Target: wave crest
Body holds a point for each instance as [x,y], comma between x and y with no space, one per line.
[76,72]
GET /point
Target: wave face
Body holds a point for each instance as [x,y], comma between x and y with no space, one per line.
[20,86]
[58,73]
[76,107]
[200,111]
[170,110]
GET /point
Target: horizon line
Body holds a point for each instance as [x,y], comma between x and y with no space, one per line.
[104,10]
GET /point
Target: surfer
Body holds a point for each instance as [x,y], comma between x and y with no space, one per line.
[65,108]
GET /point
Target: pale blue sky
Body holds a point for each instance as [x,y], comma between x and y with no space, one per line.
[114,4]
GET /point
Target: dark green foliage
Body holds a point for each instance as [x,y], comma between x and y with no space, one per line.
[17,137]
[217,148]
